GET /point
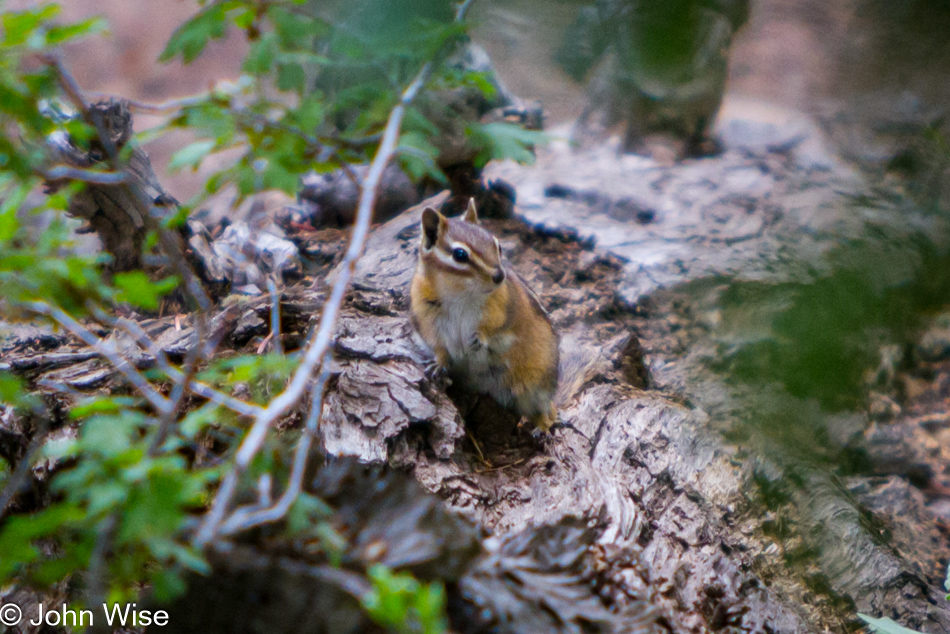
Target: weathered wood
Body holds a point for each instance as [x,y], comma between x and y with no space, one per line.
[650,468]
[124,213]
[710,531]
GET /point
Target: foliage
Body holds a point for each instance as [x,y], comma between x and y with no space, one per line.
[503,140]
[317,90]
[128,489]
[403,604]
[30,265]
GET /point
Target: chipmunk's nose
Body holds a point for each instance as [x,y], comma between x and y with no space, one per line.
[498,276]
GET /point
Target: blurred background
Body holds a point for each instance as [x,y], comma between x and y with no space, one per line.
[869,71]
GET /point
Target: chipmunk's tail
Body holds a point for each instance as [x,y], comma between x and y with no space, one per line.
[579,363]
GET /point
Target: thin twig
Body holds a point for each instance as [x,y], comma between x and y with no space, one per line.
[61,172]
[320,341]
[145,342]
[121,364]
[275,316]
[162,106]
[179,389]
[67,81]
[98,563]
[237,406]
[249,517]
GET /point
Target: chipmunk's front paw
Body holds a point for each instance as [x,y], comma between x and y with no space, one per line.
[437,373]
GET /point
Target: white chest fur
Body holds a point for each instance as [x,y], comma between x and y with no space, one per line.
[457,323]
[479,363]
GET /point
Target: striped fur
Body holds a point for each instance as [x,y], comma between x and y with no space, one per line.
[482,322]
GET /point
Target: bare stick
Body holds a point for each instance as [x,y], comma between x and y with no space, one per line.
[121,364]
[169,244]
[145,342]
[237,406]
[249,517]
[180,387]
[61,172]
[275,315]
[320,342]
[162,106]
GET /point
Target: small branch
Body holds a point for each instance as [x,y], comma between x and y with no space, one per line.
[201,389]
[321,339]
[144,341]
[162,106]
[275,316]
[180,387]
[216,396]
[98,565]
[243,519]
[121,364]
[68,82]
[61,172]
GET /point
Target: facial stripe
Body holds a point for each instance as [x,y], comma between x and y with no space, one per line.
[446,259]
[436,260]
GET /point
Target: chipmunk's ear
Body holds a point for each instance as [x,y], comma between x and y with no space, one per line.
[471,214]
[433,226]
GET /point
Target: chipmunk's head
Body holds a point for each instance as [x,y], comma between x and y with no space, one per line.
[462,248]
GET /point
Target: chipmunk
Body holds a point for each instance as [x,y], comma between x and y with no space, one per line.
[486,328]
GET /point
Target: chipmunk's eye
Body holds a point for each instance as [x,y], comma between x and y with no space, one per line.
[460,256]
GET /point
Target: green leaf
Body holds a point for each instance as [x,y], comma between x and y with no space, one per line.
[19,531]
[138,290]
[190,558]
[153,512]
[291,77]
[190,38]
[419,157]
[12,203]
[310,113]
[11,388]
[110,435]
[169,584]
[190,155]
[260,59]
[197,420]
[18,26]
[100,405]
[293,29]
[885,626]
[306,511]
[60,34]
[503,141]
[400,602]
